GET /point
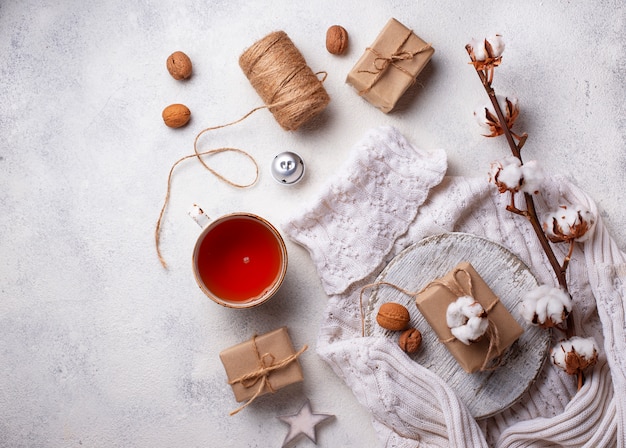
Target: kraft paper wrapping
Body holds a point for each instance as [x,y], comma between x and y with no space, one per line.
[433,303]
[272,349]
[390,66]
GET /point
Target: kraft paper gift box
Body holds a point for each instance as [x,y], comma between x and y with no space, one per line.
[390,65]
[262,364]
[433,303]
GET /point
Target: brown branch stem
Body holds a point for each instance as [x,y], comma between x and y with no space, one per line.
[530,213]
[569,255]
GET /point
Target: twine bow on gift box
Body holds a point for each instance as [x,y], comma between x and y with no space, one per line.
[266,365]
[382,63]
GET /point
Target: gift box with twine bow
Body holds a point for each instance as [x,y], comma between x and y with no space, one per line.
[503,329]
[262,365]
[390,66]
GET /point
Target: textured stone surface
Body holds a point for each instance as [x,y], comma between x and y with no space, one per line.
[99,345]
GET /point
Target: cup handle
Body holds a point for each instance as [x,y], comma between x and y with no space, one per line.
[197,214]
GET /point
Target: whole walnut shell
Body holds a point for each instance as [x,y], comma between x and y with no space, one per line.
[179,65]
[393,316]
[176,115]
[336,39]
[410,340]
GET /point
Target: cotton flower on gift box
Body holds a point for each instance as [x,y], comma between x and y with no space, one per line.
[468,318]
[547,306]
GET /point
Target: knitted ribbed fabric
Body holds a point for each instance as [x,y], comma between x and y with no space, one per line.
[389,195]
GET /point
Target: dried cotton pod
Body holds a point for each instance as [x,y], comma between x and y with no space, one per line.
[467,319]
[575,355]
[569,223]
[490,48]
[509,174]
[486,54]
[487,117]
[546,306]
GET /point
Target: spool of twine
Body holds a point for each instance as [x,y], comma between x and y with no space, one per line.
[279,73]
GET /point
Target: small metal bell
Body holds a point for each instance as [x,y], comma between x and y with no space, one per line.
[287,168]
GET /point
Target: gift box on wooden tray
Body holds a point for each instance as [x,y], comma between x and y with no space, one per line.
[502,331]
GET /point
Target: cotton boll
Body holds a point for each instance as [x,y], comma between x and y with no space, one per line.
[502,102]
[533,177]
[471,331]
[511,176]
[566,218]
[497,45]
[487,117]
[480,113]
[507,174]
[482,52]
[585,347]
[467,319]
[545,306]
[587,217]
[454,314]
[575,355]
[528,310]
[569,223]
[555,310]
[473,309]
[478,46]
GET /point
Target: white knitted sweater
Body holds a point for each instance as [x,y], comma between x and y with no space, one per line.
[390,195]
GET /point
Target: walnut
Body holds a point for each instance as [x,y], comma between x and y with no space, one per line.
[393,316]
[179,65]
[336,39]
[410,340]
[176,115]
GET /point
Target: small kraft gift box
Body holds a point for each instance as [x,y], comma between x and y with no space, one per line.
[261,365]
[463,280]
[390,65]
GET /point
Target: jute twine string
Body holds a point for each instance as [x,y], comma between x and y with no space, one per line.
[266,365]
[198,155]
[458,290]
[279,73]
[382,63]
[289,89]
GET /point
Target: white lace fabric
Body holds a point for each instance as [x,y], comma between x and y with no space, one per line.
[391,194]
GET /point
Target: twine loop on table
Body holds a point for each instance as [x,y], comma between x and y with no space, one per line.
[382,63]
[266,365]
[197,154]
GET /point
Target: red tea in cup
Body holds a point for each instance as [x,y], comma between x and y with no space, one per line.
[240,260]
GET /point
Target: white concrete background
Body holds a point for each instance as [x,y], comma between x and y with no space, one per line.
[102,347]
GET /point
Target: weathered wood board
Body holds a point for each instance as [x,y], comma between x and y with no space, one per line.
[484,393]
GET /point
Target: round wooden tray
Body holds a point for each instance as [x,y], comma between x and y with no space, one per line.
[484,393]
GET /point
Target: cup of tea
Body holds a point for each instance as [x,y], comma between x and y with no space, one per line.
[239,260]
